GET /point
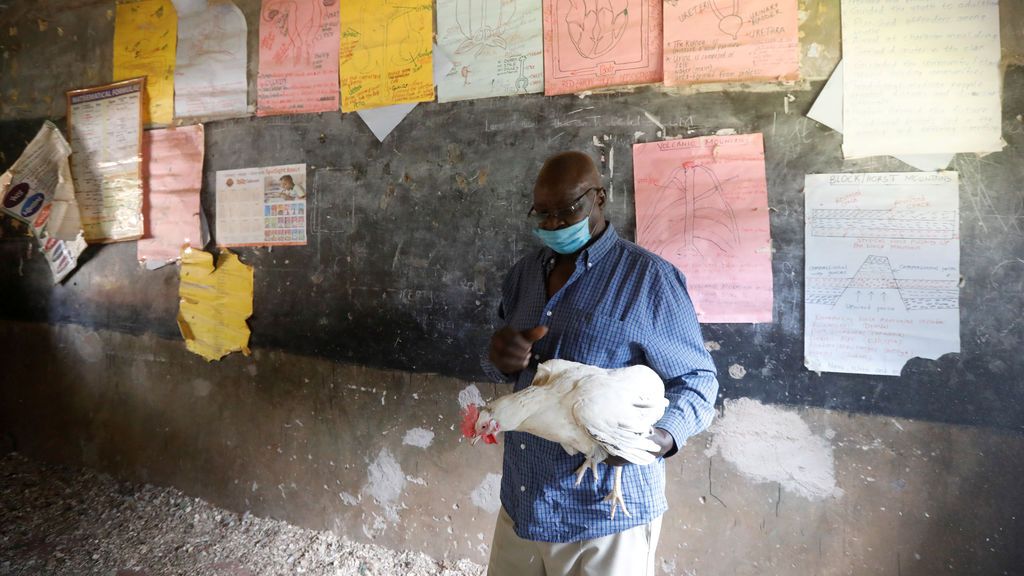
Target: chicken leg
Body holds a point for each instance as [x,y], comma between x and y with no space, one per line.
[588,464]
[615,496]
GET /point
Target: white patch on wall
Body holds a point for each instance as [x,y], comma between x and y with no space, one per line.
[470,395]
[385,482]
[488,494]
[348,499]
[419,437]
[768,444]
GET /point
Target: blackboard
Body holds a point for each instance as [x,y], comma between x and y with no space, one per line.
[409,241]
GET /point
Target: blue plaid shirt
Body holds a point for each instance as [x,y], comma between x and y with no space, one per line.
[622,306]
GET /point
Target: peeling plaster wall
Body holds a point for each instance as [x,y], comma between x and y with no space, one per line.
[324,445]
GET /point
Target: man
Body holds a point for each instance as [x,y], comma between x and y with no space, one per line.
[290,190]
[590,296]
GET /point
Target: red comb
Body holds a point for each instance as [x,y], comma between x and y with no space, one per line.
[469,417]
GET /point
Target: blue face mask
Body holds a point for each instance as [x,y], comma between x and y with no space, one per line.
[566,240]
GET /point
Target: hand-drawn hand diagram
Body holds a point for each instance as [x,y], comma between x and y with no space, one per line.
[731,22]
[299,22]
[691,214]
[482,23]
[596,26]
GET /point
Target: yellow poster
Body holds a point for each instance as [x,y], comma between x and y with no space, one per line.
[386,53]
[145,41]
[214,303]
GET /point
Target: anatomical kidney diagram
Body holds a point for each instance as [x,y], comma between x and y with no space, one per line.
[596,26]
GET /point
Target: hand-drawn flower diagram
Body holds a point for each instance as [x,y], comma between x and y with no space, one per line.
[482,23]
[596,26]
[299,22]
[730,23]
[691,215]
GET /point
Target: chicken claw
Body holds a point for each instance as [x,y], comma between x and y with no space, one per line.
[588,464]
[615,496]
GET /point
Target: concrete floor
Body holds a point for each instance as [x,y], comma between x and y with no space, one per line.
[375,456]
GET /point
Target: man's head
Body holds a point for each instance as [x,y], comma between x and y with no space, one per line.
[286,182]
[569,180]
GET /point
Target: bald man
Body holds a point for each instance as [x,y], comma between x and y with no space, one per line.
[590,296]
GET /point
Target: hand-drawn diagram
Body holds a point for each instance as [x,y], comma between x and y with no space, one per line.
[596,43]
[299,22]
[596,26]
[495,46]
[702,204]
[731,40]
[299,45]
[386,53]
[209,75]
[730,23]
[482,23]
[882,270]
[708,225]
[875,284]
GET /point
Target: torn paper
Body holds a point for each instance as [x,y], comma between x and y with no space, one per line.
[173,175]
[882,271]
[38,190]
[214,304]
[382,121]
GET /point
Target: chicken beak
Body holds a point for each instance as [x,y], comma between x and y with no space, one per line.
[475,440]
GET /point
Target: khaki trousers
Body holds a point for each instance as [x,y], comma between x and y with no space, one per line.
[627,553]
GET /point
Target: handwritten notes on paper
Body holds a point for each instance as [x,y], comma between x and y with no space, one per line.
[172,173]
[883,270]
[214,304]
[386,53]
[298,57]
[105,124]
[37,190]
[922,77]
[495,45]
[145,36]
[262,206]
[702,204]
[209,75]
[731,41]
[590,44]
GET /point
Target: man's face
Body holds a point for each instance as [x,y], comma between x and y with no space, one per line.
[560,208]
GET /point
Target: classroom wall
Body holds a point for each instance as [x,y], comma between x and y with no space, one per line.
[911,475]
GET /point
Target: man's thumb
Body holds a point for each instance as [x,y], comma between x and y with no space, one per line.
[535,333]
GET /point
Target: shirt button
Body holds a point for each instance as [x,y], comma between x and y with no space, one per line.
[522,446]
[588,264]
[549,312]
[522,488]
[536,356]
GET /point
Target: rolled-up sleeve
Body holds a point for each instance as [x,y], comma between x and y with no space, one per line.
[675,350]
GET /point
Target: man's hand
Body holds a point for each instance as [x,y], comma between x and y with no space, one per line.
[510,349]
[660,437]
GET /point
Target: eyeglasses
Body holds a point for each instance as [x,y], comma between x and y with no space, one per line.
[563,215]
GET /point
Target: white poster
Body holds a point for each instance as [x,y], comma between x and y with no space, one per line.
[882,272]
[262,206]
[496,47]
[922,77]
[209,73]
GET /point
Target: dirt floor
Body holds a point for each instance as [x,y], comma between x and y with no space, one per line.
[58,520]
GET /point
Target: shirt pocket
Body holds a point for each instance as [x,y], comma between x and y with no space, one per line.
[600,340]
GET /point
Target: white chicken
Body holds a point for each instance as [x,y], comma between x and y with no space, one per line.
[587,410]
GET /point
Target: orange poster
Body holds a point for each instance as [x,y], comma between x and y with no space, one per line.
[731,41]
[702,204]
[592,44]
[298,57]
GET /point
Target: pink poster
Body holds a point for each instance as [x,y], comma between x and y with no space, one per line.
[702,204]
[592,44]
[172,174]
[299,42]
[731,41]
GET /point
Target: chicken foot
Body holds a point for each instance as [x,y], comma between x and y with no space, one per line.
[615,496]
[588,464]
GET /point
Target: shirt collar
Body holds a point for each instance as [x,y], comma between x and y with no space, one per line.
[591,254]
